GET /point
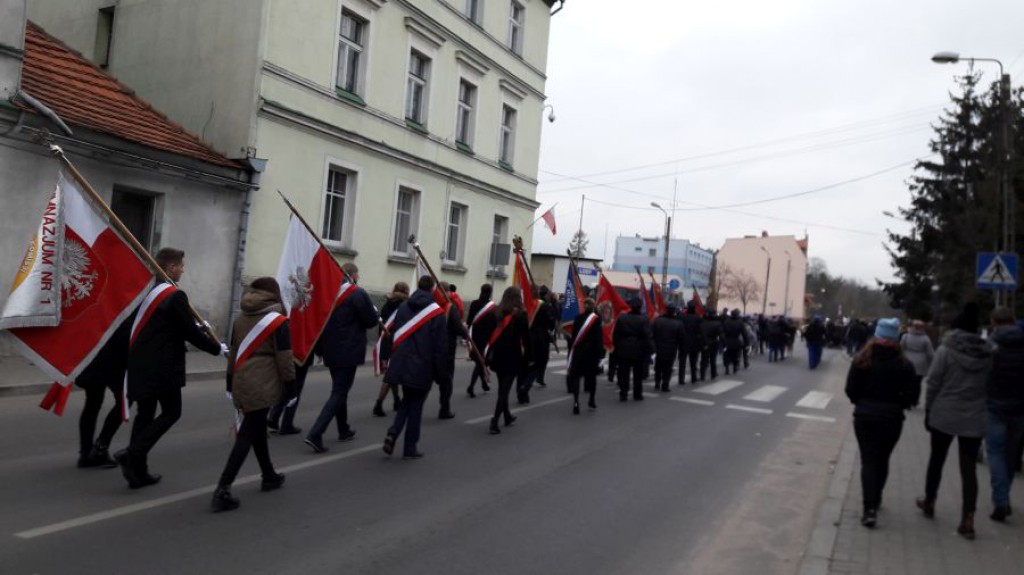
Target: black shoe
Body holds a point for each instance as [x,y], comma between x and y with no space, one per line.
[97,457]
[378,410]
[271,425]
[223,500]
[1000,513]
[623,397]
[576,408]
[317,445]
[542,384]
[446,415]
[275,481]
[389,444]
[870,518]
[145,480]
[290,430]
[485,387]
[510,420]
[638,398]
[348,435]
[495,430]
[470,392]
[413,455]
[592,404]
[124,459]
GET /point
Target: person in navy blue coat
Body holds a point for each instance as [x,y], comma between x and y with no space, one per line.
[416,362]
[343,347]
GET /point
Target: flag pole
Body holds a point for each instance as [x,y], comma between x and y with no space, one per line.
[125,233]
[517,241]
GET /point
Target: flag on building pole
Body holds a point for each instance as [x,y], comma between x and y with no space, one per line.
[310,281]
[549,220]
[699,307]
[79,280]
[573,293]
[610,305]
[522,279]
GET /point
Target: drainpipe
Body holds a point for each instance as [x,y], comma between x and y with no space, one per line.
[257,165]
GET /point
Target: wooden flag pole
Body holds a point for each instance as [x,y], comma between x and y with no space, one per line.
[125,233]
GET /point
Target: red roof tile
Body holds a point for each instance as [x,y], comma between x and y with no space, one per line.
[83,94]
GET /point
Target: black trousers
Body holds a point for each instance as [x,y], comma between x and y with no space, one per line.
[589,384]
[281,412]
[91,413]
[694,359]
[505,382]
[447,383]
[478,373]
[409,417]
[627,367]
[968,447]
[663,363]
[709,358]
[731,358]
[876,438]
[251,435]
[148,429]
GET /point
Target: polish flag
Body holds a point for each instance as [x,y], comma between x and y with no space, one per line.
[79,280]
[549,220]
[310,281]
[610,305]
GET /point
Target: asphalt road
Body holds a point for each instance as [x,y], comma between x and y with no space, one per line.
[687,482]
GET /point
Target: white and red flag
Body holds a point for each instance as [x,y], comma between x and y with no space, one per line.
[549,220]
[522,279]
[79,280]
[311,282]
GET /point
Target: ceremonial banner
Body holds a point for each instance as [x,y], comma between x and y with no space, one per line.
[699,308]
[648,305]
[79,280]
[659,301]
[522,279]
[310,283]
[610,305]
[573,293]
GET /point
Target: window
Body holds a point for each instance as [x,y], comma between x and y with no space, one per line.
[500,252]
[406,216]
[464,116]
[416,88]
[473,11]
[456,241]
[515,27]
[652,252]
[638,249]
[338,202]
[136,211]
[104,36]
[350,52]
[508,134]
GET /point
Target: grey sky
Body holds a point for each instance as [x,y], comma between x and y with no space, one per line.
[801,95]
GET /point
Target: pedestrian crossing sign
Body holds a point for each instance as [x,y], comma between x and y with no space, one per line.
[996,271]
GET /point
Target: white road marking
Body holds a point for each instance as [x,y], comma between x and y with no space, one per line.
[651,395]
[562,372]
[519,409]
[766,393]
[719,387]
[815,400]
[557,362]
[176,497]
[750,409]
[691,400]
[811,417]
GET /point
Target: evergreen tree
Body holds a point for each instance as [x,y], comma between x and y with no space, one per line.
[578,244]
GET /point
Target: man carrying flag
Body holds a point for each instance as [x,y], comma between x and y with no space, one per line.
[610,306]
[573,293]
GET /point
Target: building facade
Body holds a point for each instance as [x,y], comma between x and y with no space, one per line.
[689,261]
[553,269]
[780,262]
[379,119]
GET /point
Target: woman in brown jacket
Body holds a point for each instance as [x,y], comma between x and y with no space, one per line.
[260,372]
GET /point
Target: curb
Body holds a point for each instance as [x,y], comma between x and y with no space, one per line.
[821,545]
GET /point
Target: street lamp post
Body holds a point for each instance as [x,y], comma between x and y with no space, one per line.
[1009,239]
[767,276]
[664,262]
[789,266]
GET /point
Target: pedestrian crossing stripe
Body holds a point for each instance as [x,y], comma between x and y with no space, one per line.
[719,387]
[766,393]
[815,400]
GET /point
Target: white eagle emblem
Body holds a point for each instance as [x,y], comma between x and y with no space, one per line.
[76,283]
[301,288]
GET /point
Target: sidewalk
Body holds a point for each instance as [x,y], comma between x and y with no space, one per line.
[904,541]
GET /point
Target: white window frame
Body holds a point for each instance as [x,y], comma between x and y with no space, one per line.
[516,27]
[495,239]
[467,110]
[420,81]
[507,134]
[347,45]
[414,219]
[460,233]
[348,219]
[475,11]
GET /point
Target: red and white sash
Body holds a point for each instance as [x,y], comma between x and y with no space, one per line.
[153,299]
[480,315]
[584,330]
[497,332]
[378,367]
[347,289]
[419,320]
[256,337]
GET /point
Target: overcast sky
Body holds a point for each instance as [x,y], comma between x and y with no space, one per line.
[745,100]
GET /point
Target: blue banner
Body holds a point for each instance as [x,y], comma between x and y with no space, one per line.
[571,307]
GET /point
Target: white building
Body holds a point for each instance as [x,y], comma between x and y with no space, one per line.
[780,262]
[378,118]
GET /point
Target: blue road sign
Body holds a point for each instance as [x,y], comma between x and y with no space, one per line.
[587,272]
[673,284]
[997,271]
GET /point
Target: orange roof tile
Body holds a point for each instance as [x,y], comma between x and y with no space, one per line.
[83,94]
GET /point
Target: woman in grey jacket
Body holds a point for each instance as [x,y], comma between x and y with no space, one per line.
[917,347]
[955,407]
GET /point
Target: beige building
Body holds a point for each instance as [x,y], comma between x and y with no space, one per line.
[778,261]
[378,118]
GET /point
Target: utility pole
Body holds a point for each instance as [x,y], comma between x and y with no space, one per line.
[767,276]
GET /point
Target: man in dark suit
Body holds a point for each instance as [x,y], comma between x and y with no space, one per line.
[634,345]
[343,347]
[156,369]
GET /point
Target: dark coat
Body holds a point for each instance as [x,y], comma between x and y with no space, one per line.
[343,342]
[669,335]
[884,389]
[108,367]
[485,327]
[391,305]
[693,335]
[260,383]
[632,337]
[540,331]
[156,362]
[512,352]
[711,329]
[1006,382]
[735,333]
[587,357]
[419,360]
[815,333]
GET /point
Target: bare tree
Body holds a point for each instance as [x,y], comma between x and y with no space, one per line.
[739,285]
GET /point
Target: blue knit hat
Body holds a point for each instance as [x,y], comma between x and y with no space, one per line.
[888,328]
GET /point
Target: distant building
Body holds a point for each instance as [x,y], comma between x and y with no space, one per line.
[779,260]
[552,269]
[690,262]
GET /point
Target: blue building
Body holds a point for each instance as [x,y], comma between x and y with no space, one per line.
[685,259]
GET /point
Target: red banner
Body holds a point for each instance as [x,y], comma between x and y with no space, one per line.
[610,305]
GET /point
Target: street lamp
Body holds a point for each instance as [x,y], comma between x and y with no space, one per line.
[1009,239]
[664,263]
[789,266]
[767,275]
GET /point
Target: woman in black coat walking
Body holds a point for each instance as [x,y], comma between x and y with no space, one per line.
[508,351]
[586,348]
[394,300]
[881,385]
